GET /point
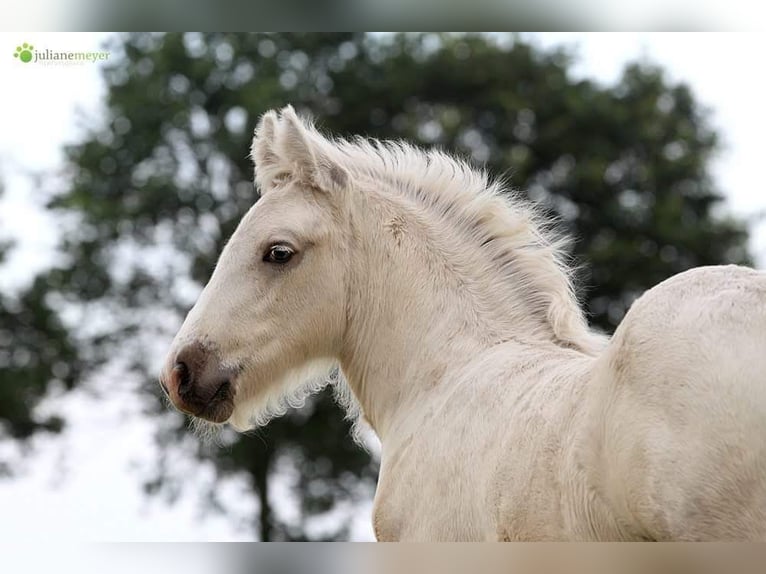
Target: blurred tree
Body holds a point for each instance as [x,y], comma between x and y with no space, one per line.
[162,182]
[36,356]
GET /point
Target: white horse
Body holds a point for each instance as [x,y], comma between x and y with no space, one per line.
[452,318]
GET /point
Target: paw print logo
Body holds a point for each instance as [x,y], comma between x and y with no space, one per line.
[24,52]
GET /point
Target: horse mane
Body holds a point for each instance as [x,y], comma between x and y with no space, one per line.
[513,234]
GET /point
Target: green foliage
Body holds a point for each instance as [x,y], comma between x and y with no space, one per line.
[624,168]
[36,355]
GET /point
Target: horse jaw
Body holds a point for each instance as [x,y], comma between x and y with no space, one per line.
[276,397]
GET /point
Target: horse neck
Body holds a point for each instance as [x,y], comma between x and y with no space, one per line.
[411,317]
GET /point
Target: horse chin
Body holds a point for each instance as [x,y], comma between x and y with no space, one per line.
[241,419]
[242,416]
[258,400]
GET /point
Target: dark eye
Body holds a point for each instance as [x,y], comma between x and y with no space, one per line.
[278,254]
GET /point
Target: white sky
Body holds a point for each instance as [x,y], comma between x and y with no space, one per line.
[99,496]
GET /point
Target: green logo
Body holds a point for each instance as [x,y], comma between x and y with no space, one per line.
[24,52]
[28,54]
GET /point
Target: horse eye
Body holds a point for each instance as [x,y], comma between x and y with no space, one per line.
[278,254]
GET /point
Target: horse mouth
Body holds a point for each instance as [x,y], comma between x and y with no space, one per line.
[215,408]
[220,406]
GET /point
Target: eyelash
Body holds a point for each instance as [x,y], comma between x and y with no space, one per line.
[271,257]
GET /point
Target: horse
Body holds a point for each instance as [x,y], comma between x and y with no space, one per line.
[448,307]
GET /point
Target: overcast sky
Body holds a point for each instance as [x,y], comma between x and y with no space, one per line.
[87,488]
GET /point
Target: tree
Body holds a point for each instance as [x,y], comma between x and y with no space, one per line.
[163,182]
[36,355]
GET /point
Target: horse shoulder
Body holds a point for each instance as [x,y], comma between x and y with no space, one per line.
[473,463]
[530,491]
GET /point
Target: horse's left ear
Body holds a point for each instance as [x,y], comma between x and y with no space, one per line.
[267,164]
[308,153]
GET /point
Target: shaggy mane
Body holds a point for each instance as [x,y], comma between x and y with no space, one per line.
[515,238]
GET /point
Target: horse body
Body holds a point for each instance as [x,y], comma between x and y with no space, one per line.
[448,309]
[661,437]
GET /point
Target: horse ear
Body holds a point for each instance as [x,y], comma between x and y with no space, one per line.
[267,163]
[308,153]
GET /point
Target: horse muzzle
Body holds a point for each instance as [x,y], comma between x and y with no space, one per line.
[198,385]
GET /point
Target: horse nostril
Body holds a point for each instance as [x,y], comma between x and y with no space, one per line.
[184,377]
